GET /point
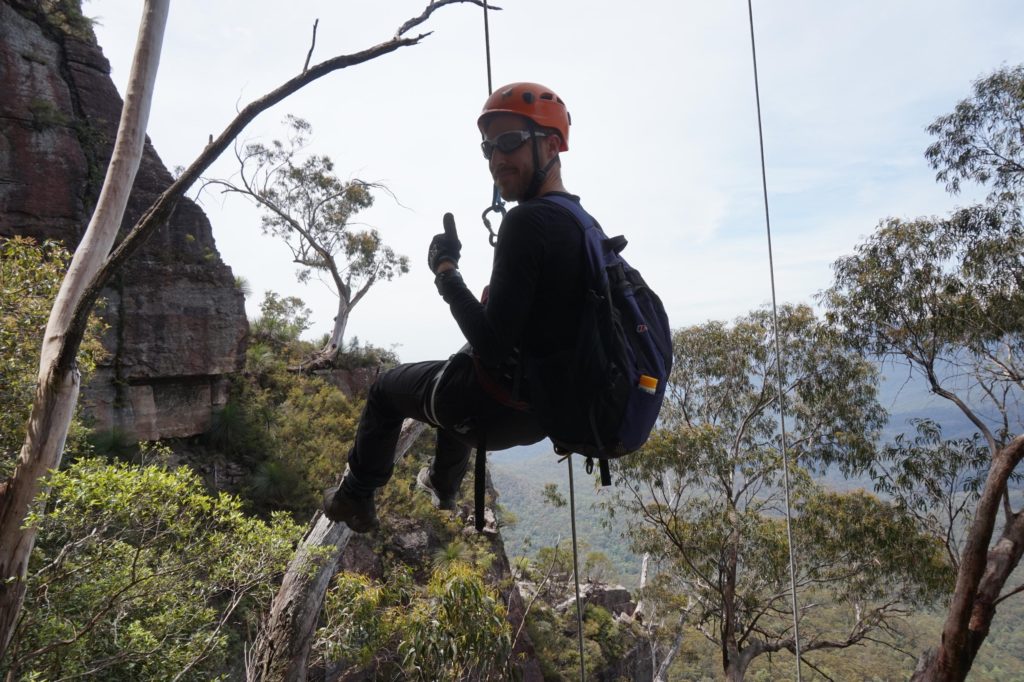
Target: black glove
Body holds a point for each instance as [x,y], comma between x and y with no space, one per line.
[445,246]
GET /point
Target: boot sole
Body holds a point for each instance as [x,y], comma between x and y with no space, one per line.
[354,524]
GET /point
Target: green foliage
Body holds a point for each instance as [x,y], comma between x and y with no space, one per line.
[982,140]
[459,633]
[945,295]
[555,637]
[312,432]
[311,210]
[553,497]
[355,628]
[67,16]
[243,285]
[941,293]
[282,320]
[357,355]
[139,574]
[454,628]
[936,480]
[862,550]
[45,115]
[705,498]
[30,276]
[115,443]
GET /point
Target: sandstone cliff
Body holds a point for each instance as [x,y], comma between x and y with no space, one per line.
[177,323]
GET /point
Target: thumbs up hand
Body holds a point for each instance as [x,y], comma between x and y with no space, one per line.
[445,247]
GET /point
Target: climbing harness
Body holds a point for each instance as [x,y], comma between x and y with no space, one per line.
[778,354]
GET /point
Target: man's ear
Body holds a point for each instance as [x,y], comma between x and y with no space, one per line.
[553,143]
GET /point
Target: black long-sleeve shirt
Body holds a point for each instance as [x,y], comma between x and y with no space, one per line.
[536,288]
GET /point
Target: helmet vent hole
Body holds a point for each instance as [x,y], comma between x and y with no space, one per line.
[528,97]
[548,96]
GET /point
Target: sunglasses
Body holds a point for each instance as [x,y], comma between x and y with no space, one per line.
[507,142]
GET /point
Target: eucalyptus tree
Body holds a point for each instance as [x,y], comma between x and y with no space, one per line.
[946,295]
[982,139]
[309,208]
[706,497]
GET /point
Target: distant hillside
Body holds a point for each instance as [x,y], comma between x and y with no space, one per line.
[520,475]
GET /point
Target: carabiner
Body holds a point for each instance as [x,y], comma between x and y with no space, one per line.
[493,237]
[497,206]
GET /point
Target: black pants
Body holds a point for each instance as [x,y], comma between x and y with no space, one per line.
[454,402]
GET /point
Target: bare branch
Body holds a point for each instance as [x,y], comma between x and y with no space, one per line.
[434,4]
[312,44]
[165,204]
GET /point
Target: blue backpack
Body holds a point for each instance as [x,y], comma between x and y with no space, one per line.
[602,399]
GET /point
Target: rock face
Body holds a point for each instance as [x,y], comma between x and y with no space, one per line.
[177,324]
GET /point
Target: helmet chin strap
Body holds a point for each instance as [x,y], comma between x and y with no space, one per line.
[540,174]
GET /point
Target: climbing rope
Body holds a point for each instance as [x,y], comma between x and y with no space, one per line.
[576,569]
[778,353]
[497,205]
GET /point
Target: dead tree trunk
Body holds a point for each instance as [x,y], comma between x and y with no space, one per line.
[59,380]
[281,651]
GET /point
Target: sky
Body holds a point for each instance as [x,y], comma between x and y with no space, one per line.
[663,146]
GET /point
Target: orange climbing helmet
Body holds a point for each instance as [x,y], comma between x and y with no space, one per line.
[536,102]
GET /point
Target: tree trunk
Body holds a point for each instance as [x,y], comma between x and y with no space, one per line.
[337,340]
[735,672]
[736,668]
[983,573]
[326,356]
[57,388]
[727,588]
[281,651]
[47,430]
[661,674]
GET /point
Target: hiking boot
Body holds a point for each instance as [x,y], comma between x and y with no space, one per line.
[358,512]
[423,482]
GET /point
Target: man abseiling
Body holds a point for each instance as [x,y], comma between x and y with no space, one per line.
[531,311]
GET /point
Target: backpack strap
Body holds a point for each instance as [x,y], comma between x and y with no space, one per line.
[587,222]
[583,219]
[593,237]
